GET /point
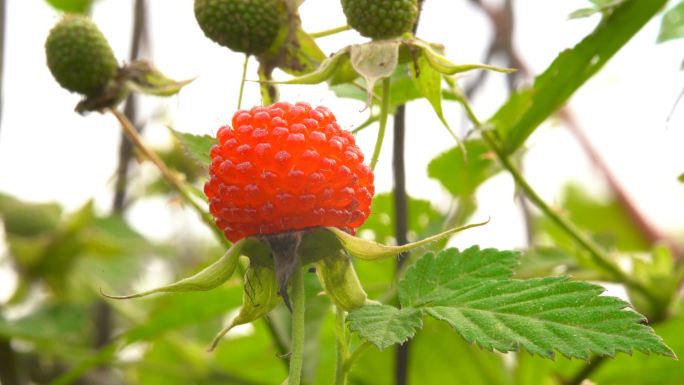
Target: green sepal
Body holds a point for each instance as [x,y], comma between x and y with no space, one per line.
[207,279]
[445,66]
[324,71]
[372,251]
[375,60]
[339,279]
[143,77]
[259,297]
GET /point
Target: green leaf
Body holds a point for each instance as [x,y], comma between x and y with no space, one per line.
[72,6]
[142,77]
[672,24]
[472,292]
[440,356]
[681,178]
[385,325]
[460,175]
[434,275]
[606,219]
[527,109]
[196,147]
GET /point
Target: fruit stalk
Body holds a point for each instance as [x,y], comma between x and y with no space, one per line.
[298,302]
[384,112]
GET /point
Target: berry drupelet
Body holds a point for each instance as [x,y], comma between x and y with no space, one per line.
[287,167]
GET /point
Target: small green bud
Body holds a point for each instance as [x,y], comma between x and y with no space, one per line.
[339,279]
[259,297]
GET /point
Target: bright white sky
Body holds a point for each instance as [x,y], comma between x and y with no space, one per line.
[48,152]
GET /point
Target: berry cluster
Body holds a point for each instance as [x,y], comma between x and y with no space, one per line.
[287,167]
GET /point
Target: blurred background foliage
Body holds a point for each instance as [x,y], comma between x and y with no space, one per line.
[56,328]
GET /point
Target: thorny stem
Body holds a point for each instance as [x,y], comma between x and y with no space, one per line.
[384,112]
[329,32]
[242,81]
[167,174]
[298,308]
[342,344]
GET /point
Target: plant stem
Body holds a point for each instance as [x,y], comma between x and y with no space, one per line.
[269,92]
[298,308]
[356,354]
[585,371]
[342,343]
[9,370]
[167,174]
[384,112]
[329,32]
[242,81]
[400,224]
[598,255]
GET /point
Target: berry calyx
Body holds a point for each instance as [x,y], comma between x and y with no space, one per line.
[248,26]
[287,167]
[79,55]
[381,19]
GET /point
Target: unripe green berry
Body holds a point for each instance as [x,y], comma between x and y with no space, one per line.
[381,19]
[248,26]
[79,55]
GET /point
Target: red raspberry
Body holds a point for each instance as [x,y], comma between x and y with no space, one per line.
[287,167]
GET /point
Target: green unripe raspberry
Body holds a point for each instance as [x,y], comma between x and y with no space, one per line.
[79,55]
[248,26]
[381,19]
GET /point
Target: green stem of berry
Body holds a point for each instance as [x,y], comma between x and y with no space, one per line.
[269,92]
[356,354]
[329,32]
[298,308]
[384,112]
[167,174]
[342,347]
[242,81]
[597,254]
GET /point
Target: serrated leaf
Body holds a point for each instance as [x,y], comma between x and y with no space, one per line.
[196,146]
[434,275]
[672,24]
[545,315]
[385,325]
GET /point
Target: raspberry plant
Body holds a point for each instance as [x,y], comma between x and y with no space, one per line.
[286,189]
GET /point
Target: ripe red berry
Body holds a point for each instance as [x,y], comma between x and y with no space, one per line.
[287,167]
